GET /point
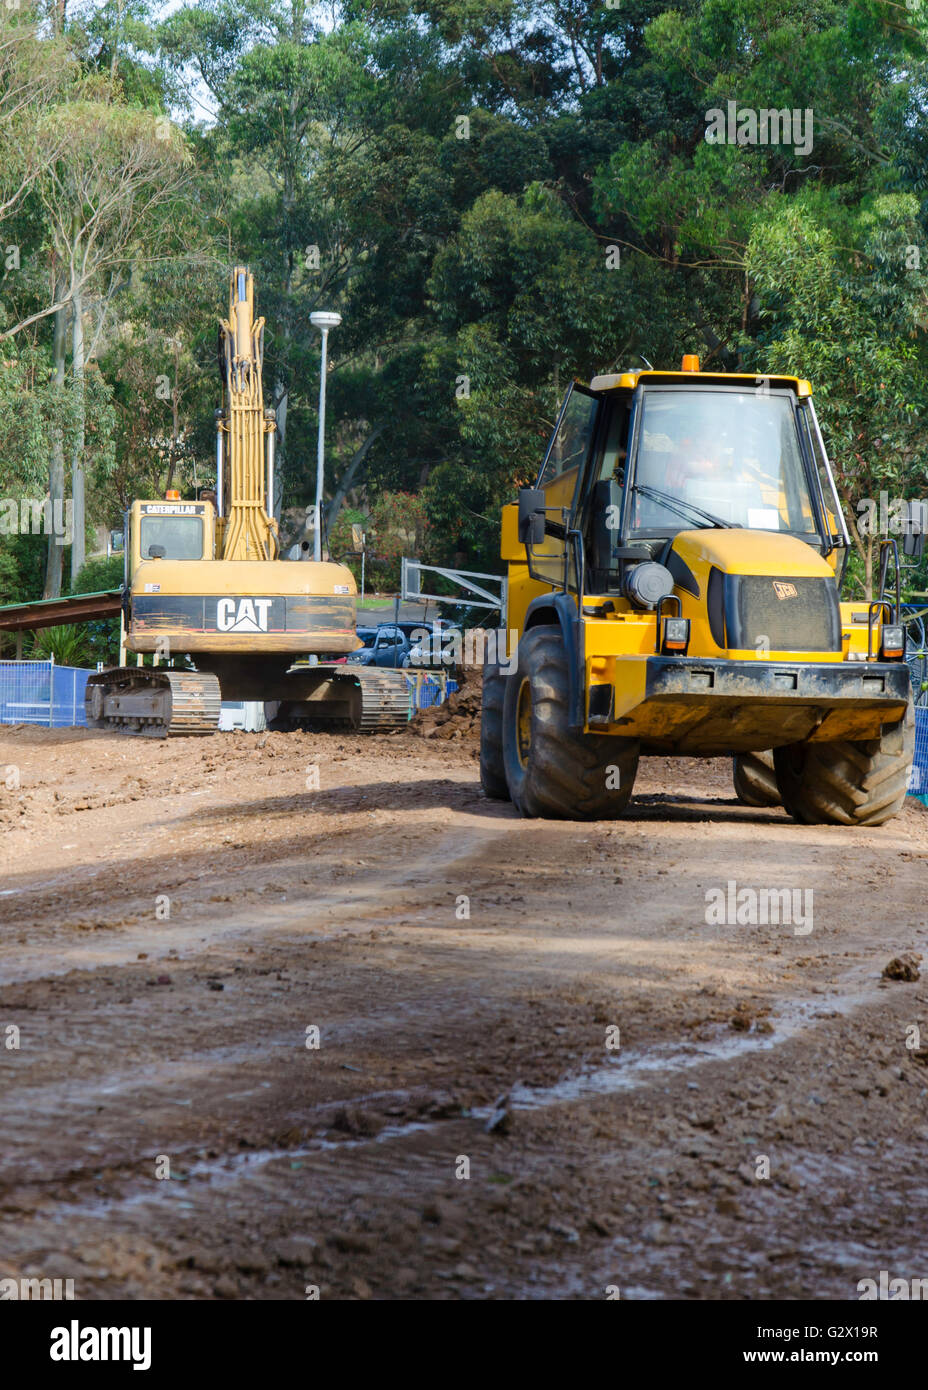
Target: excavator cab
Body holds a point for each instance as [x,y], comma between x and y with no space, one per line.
[170,530]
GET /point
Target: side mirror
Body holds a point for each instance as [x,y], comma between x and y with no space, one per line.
[914,529]
[531,516]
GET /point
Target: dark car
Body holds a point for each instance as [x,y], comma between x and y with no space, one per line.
[384,645]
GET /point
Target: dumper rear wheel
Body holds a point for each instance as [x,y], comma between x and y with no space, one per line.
[551,770]
[492,771]
[845,783]
[755,779]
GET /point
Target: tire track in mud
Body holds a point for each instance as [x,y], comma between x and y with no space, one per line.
[427,1018]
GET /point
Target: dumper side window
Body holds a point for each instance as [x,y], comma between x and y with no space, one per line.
[570,442]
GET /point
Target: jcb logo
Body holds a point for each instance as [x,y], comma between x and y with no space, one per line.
[242,614]
[784,590]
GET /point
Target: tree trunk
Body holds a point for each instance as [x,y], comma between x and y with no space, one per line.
[175,420]
[281,391]
[868,569]
[55,556]
[348,477]
[77,454]
[281,401]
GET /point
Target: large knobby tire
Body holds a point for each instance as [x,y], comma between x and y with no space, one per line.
[847,783]
[552,771]
[755,779]
[492,771]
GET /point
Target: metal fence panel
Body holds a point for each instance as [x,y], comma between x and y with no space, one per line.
[426,690]
[918,781]
[40,692]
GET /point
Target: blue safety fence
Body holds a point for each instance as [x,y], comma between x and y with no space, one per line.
[40,692]
[426,690]
[918,779]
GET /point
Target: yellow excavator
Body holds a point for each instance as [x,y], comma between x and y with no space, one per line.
[222,615]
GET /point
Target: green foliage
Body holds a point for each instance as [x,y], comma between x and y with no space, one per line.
[849,322]
[341,541]
[398,525]
[32,409]
[498,196]
[101,636]
[68,644]
[99,575]
[22,562]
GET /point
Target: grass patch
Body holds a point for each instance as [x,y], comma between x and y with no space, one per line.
[365,604]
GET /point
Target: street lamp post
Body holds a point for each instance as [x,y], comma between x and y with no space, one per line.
[323,321]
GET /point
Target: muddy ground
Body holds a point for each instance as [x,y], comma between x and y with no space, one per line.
[467,1126]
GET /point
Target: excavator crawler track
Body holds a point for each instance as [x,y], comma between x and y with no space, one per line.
[358,698]
[384,699]
[152,702]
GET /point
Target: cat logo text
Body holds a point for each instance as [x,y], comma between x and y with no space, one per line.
[242,614]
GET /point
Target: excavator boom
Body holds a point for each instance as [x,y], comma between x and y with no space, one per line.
[248,532]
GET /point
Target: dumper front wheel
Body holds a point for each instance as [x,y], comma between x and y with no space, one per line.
[551,770]
[847,783]
[492,771]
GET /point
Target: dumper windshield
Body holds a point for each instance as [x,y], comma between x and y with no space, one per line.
[727,455]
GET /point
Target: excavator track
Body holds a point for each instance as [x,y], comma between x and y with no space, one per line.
[384,699]
[152,702]
[359,698]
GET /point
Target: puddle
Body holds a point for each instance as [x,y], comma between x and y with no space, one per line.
[217,1172]
[626,1071]
[629,1070]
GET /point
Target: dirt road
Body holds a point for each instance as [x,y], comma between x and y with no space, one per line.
[540,1071]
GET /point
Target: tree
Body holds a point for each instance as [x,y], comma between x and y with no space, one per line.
[117,173]
[33,71]
[850,322]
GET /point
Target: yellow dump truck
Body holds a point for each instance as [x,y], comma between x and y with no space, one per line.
[673,583]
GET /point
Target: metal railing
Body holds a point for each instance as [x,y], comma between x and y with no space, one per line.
[918,778]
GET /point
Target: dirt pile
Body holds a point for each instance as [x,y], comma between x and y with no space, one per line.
[458,717]
[903,968]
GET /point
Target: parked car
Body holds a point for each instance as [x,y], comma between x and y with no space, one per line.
[445,643]
[467,615]
[435,651]
[385,645]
